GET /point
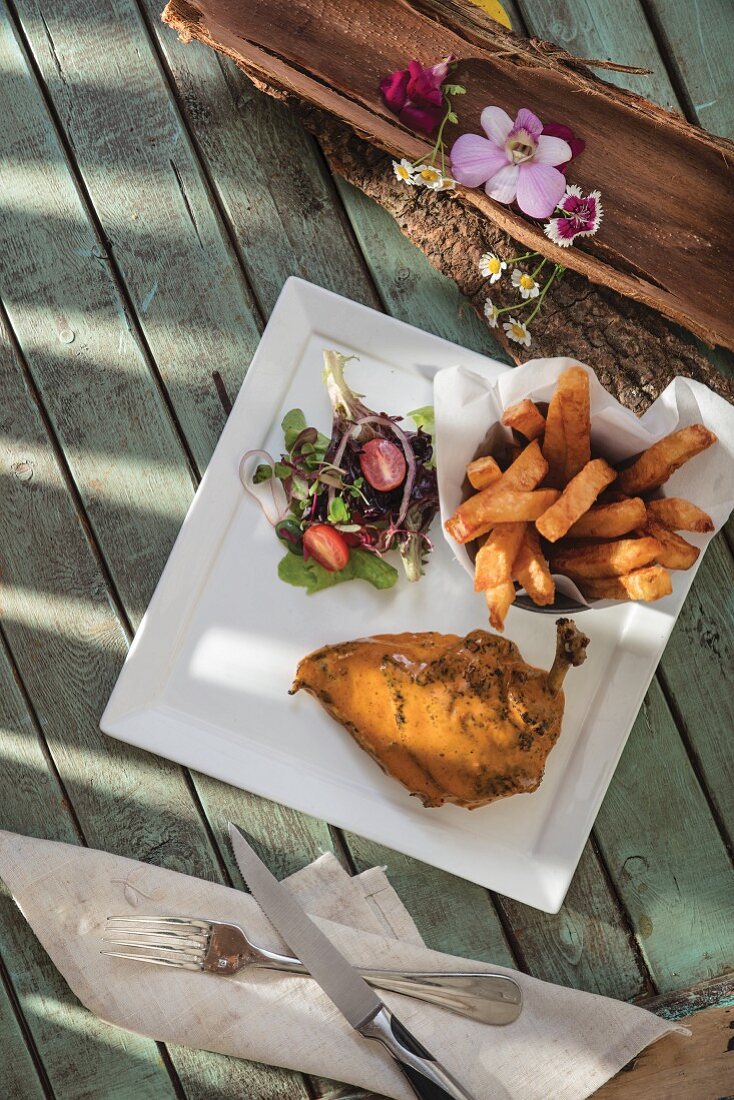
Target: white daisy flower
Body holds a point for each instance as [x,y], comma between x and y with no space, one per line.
[491,313]
[526,284]
[447,184]
[429,176]
[404,171]
[517,331]
[491,266]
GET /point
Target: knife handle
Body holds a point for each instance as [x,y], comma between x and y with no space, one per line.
[427,1077]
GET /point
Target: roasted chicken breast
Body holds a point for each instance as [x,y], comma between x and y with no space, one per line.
[462,720]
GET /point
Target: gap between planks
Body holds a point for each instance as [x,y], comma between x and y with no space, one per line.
[25,1031]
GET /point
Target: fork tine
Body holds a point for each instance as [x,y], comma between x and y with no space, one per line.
[163,950]
[190,950]
[192,922]
[152,959]
[162,938]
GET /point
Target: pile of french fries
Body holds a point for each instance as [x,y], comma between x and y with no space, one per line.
[555,509]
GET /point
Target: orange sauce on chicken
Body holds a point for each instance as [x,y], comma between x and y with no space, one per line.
[461,720]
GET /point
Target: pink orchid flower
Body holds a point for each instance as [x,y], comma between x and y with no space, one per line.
[514,161]
[414,94]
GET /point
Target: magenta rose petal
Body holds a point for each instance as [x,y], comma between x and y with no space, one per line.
[502,187]
[422,86]
[474,160]
[394,90]
[552,150]
[557,129]
[423,118]
[539,189]
[496,124]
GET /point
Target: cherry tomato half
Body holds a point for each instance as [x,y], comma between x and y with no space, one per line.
[383,464]
[327,546]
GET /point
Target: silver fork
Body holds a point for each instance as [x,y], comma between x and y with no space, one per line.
[220,948]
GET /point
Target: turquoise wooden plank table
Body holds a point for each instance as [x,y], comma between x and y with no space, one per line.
[152,205]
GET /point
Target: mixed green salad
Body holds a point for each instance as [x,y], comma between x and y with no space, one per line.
[344,502]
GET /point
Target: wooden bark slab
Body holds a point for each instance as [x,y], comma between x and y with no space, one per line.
[669,231]
[681,1067]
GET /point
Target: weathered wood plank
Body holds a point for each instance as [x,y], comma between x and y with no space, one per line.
[696,672]
[665,856]
[615,31]
[410,288]
[69,644]
[160,226]
[585,945]
[20,1077]
[678,1067]
[285,839]
[63,304]
[718,993]
[267,173]
[82,1057]
[130,490]
[699,41]
[451,914]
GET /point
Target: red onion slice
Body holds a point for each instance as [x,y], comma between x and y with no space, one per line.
[273,483]
[386,422]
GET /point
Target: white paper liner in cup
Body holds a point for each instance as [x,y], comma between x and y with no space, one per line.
[469,404]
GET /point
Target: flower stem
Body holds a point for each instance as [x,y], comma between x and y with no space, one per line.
[526,256]
[514,308]
[539,268]
[542,294]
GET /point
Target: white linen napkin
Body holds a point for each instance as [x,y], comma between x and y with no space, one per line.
[565,1045]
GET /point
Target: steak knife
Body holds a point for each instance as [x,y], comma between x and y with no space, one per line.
[340,981]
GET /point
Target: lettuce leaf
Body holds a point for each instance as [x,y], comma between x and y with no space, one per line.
[313,577]
[424,418]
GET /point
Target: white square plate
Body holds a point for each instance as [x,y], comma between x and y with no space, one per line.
[206,681]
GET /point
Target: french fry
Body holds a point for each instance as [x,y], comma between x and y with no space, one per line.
[578,496]
[527,471]
[526,418]
[573,389]
[649,583]
[675,552]
[471,518]
[494,561]
[482,472]
[531,569]
[506,506]
[657,463]
[498,600]
[554,443]
[679,515]
[512,452]
[609,521]
[605,559]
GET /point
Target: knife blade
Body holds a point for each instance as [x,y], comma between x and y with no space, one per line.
[340,981]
